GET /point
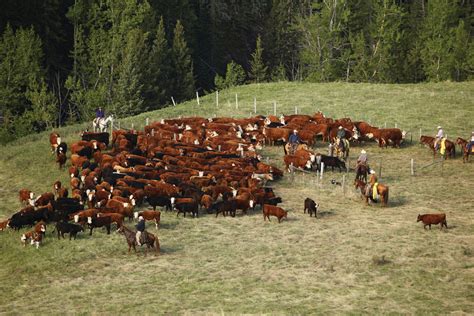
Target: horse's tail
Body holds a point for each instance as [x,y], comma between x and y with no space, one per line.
[157,244]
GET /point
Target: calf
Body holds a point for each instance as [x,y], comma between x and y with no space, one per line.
[114,218]
[433,219]
[94,222]
[329,161]
[163,201]
[33,236]
[274,211]
[150,216]
[67,228]
[311,206]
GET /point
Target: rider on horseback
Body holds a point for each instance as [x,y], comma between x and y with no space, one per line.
[140,229]
[370,186]
[439,136]
[293,140]
[470,143]
[99,115]
[341,134]
[362,160]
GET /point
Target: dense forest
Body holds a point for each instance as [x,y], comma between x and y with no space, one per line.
[61,59]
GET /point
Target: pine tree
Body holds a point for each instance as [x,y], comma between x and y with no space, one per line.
[234,76]
[156,84]
[460,52]
[183,66]
[258,70]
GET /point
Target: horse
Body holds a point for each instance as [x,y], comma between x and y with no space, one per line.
[151,240]
[361,172]
[450,147]
[287,148]
[382,190]
[340,152]
[465,152]
[100,124]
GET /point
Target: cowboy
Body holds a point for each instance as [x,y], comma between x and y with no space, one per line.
[140,229]
[372,181]
[293,140]
[99,113]
[470,143]
[341,134]
[438,137]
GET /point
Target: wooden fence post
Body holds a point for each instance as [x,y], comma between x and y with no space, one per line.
[274,108]
[396,125]
[236,101]
[344,184]
[217,99]
[296,110]
[420,133]
[412,166]
[197,97]
[147,121]
[322,170]
[174,103]
[255,105]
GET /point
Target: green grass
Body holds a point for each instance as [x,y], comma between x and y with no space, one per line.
[244,265]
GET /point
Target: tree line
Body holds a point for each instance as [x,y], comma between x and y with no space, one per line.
[59,60]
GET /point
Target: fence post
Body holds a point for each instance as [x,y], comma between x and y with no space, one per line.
[255,105]
[174,103]
[111,127]
[274,108]
[385,125]
[236,101]
[119,124]
[322,170]
[217,99]
[344,184]
[197,97]
[296,110]
[132,126]
[412,166]
[396,125]
[380,169]
[420,133]
[218,147]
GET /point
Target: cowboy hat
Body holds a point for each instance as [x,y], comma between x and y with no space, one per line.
[372,171]
[363,151]
[340,127]
[295,131]
[439,126]
[140,218]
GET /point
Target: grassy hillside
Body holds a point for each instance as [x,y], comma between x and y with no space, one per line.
[332,264]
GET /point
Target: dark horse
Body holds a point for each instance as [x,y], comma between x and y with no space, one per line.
[382,190]
[361,172]
[150,240]
[465,152]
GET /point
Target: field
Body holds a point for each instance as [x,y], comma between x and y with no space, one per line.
[351,259]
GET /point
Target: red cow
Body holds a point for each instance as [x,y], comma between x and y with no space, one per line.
[433,219]
[150,216]
[274,211]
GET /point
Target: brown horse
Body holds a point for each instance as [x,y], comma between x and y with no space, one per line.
[361,172]
[450,147]
[382,190]
[465,152]
[151,240]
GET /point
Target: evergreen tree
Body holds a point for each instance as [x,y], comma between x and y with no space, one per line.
[460,54]
[183,66]
[437,41]
[258,70]
[156,84]
[235,76]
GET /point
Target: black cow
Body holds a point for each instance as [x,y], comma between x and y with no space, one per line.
[61,149]
[311,206]
[86,152]
[101,137]
[71,229]
[224,207]
[192,208]
[94,222]
[20,219]
[155,201]
[329,161]
[272,201]
[64,207]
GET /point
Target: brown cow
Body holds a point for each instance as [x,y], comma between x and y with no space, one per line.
[391,135]
[126,209]
[150,216]
[4,224]
[433,219]
[114,218]
[77,160]
[26,196]
[44,199]
[297,162]
[35,238]
[61,160]
[274,211]
[54,140]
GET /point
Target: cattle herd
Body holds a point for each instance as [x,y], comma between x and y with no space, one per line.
[187,165]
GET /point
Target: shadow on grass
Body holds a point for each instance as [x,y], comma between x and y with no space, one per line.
[399,201]
[323,214]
